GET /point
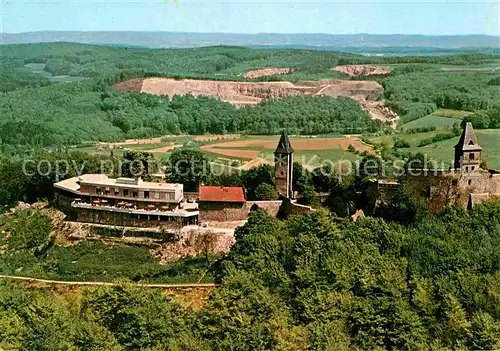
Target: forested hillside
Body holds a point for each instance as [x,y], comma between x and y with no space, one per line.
[70,114]
[300,284]
[40,105]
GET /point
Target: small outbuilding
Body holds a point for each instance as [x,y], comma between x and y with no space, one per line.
[222,203]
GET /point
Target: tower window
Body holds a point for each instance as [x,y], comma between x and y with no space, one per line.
[466,169]
[471,142]
[471,156]
[469,182]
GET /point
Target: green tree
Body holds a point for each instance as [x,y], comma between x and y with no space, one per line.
[265,191]
[189,167]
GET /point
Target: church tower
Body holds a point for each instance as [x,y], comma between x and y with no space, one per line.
[468,151]
[283,167]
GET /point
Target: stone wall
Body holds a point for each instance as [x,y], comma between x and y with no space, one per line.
[447,187]
[224,212]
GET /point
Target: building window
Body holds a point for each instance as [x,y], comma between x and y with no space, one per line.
[98,190]
[471,156]
[467,169]
[146,194]
[469,182]
[125,192]
[134,194]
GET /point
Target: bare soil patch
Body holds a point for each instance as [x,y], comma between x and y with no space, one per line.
[363,70]
[265,72]
[250,154]
[164,148]
[297,144]
[251,92]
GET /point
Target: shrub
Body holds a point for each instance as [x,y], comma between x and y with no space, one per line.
[401,143]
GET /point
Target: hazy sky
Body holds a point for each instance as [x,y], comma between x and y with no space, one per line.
[276,16]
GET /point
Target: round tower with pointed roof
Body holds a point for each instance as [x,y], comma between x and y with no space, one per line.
[283,166]
[468,151]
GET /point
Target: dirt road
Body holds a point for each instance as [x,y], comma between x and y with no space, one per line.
[146,285]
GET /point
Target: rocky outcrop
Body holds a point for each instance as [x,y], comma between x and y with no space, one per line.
[265,72]
[363,70]
[251,93]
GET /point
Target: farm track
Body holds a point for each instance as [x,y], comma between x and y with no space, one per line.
[93,283]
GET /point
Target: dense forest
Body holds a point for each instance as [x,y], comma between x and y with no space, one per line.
[300,284]
[39,107]
[430,90]
[74,113]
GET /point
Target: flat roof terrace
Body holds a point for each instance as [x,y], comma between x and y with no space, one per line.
[101,180]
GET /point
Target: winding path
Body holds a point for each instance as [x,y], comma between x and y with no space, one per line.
[146,285]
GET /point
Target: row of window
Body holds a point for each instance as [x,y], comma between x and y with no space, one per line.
[135,194]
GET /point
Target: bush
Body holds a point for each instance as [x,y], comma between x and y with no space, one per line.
[400,143]
[420,130]
[494,81]
[28,230]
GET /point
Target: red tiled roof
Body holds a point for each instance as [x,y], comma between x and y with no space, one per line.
[221,193]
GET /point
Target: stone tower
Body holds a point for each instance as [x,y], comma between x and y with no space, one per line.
[283,164]
[468,151]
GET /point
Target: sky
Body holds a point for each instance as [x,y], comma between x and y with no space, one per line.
[277,16]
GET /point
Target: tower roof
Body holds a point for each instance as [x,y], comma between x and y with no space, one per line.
[284,144]
[468,140]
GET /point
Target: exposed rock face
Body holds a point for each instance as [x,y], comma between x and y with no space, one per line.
[251,93]
[363,70]
[265,72]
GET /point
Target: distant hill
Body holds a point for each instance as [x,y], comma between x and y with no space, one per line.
[323,41]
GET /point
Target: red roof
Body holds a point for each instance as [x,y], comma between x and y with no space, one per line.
[221,193]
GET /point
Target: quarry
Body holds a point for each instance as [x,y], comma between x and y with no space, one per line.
[251,93]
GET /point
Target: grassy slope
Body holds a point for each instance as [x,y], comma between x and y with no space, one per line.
[489,139]
[431,121]
[96,261]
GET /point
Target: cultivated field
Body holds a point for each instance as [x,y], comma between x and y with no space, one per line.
[308,150]
[244,152]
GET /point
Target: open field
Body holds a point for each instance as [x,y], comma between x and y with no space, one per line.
[431,121]
[308,151]
[489,140]
[245,152]
[443,112]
